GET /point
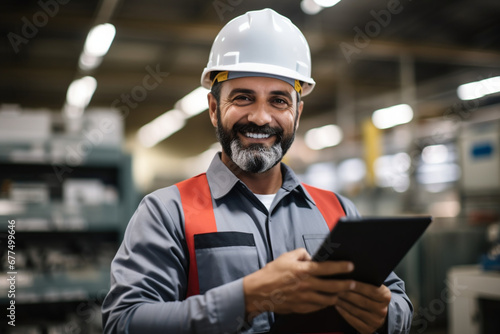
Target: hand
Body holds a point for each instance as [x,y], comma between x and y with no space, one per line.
[364,307]
[290,284]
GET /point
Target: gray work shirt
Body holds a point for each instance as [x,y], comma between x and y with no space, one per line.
[150,270]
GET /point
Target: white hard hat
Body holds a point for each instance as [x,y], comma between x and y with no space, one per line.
[263,42]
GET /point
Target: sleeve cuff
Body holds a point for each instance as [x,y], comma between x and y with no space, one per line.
[398,316]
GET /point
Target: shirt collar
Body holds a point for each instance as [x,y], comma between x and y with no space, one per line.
[221,179]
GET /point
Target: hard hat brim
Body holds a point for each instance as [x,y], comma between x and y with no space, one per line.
[307,87]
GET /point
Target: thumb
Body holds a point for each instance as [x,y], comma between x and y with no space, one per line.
[301,254]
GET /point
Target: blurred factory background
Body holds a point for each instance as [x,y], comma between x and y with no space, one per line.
[405,119]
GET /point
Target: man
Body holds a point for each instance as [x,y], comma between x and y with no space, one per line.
[226,251]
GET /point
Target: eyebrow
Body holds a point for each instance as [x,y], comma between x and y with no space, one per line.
[240,91]
[282,93]
[250,91]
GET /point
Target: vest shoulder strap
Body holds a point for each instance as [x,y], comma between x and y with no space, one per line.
[198,218]
[327,203]
[329,206]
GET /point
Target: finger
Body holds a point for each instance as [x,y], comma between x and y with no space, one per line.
[329,285]
[306,302]
[363,303]
[328,268]
[320,300]
[373,318]
[301,254]
[355,322]
[380,294]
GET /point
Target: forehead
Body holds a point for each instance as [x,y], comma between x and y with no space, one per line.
[260,85]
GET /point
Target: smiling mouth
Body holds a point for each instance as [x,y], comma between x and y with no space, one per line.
[257,135]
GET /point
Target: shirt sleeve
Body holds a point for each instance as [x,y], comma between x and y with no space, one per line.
[149,281]
[400,310]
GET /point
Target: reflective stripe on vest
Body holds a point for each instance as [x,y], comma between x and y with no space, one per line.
[199,216]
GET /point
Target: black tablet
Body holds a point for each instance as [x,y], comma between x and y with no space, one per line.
[375,245]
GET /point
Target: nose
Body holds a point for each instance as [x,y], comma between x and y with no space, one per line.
[261,114]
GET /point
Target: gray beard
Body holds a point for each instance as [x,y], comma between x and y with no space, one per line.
[256,158]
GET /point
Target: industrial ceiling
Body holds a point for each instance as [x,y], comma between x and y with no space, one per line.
[367,54]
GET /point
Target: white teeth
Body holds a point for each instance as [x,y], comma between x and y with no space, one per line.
[257,135]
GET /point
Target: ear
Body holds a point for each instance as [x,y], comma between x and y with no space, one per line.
[212,109]
[299,111]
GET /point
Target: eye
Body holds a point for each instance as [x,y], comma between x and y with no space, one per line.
[280,102]
[242,100]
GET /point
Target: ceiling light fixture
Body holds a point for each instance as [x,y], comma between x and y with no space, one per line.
[161,127]
[99,39]
[323,137]
[96,46]
[310,7]
[194,103]
[78,96]
[389,117]
[326,3]
[173,120]
[478,89]
[80,91]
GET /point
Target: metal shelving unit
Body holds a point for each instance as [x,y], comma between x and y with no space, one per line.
[64,240]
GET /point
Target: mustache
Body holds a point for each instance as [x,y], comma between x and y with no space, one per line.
[254,128]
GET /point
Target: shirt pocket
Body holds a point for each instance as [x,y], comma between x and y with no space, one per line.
[223,257]
[313,242]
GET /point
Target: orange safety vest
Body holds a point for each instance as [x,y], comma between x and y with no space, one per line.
[199,216]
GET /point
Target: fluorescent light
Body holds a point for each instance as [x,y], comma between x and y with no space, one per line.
[322,137]
[310,7]
[478,89]
[88,62]
[161,127]
[80,92]
[326,3]
[194,103]
[99,39]
[173,120]
[435,154]
[392,116]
